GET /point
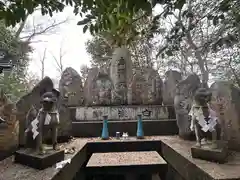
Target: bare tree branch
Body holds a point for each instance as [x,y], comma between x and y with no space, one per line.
[59,60]
[38,30]
[42,60]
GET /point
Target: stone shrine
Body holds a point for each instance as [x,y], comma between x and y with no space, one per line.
[120,90]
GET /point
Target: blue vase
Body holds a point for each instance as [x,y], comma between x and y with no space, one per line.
[105,134]
[140,134]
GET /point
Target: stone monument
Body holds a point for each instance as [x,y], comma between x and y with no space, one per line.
[169,89]
[47,119]
[204,122]
[102,89]
[226,103]
[71,94]
[137,89]
[121,75]
[154,87]
[183,99]
[88,86]
[70,87]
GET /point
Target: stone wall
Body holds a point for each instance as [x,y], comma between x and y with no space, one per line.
[129,112]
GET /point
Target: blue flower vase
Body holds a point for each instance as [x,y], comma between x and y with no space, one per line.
[140,134]
[105,134]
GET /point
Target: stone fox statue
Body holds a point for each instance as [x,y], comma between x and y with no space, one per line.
[47,119]
[204,119]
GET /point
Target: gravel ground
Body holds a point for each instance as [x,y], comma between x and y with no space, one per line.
[11,171]
[125,158]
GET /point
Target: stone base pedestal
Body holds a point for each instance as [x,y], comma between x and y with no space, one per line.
[32,159]
[205,152]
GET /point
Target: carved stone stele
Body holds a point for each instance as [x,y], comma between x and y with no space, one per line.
[226,103]
[121,75]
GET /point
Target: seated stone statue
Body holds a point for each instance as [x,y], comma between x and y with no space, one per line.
[47,119]
[204,119]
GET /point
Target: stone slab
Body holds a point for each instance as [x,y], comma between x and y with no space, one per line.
[177,153]
[32,159]
[144,162]
[125,112]
[125,158]
[218,155]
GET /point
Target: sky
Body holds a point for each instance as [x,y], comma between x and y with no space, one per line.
[68,36]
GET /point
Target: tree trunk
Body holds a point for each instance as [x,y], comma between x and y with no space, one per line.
[22,25]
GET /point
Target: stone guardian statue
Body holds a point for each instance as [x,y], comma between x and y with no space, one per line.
[204,123]
[47,119]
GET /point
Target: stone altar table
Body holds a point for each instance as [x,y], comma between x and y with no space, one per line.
[131,164]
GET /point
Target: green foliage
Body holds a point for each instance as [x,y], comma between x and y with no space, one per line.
[115,16]
[14,83]
[99,50]
[228,66]
[15,11]
[219,17]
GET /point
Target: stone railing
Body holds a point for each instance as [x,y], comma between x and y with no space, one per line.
[127,112]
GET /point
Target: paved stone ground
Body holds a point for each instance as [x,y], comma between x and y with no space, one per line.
[231,170]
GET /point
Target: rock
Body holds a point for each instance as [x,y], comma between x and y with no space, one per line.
[226,103]
[9,130]
[88,86]
[70,87]
[29,101]
[169,89]
[121,75]
[183,99]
